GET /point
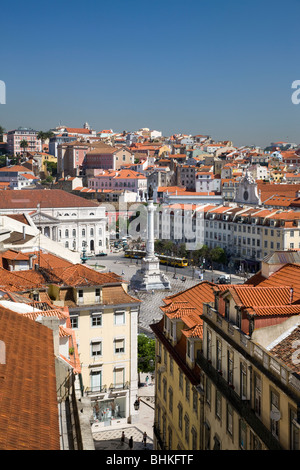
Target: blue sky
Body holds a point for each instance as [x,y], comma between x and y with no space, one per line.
[216,67]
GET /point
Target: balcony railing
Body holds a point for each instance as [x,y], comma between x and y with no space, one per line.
[119,386]
[242,406]
[97,389]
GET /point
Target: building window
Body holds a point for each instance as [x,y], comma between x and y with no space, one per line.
[73,232]
[186,428]
[97,294]
[171,400]
[208,392]
[119,318]
[195,401]
[208,345]
[83,232]
[187,389]
[74,321]
[96,348]
[229,419]
[243,377]
[171,366]
[194,438]
[294,431]
[274,412]
[165,389]
[170,438]
[180,380]
[230,367]
[257,395]
[218,405]
[255,443]
[180,416]
[66,233]
[242,434]
[119,346]
[80,296]
[219,355]
[96,319]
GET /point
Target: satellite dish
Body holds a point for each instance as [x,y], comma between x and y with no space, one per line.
[275,415]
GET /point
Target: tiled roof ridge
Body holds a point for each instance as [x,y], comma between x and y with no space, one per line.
[208,283]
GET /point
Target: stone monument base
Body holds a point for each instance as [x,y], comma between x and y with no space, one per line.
[149,277]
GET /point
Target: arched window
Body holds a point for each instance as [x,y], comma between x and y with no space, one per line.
[73,232]
[83,232]
[67,245]
[91,232]
[100,232]
[66,233]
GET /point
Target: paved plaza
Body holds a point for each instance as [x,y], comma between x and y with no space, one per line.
[150,311]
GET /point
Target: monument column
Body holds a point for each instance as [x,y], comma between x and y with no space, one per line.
[149,277]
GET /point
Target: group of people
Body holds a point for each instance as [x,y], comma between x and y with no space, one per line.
[130,441]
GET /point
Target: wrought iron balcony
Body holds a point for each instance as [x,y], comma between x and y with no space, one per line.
[96,389]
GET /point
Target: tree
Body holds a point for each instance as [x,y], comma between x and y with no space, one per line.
[146,353]
[2,131]
[218,255]
[24,144]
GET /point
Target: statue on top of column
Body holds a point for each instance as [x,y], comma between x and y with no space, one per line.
[150,192]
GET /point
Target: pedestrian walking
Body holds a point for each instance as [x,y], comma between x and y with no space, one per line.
[122,438]
[130,443]
[147,380]
[145,438]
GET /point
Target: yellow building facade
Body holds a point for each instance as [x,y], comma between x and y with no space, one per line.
[105,321]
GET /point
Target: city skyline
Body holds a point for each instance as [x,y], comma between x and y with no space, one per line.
[225,70]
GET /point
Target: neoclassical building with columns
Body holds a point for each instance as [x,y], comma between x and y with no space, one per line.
[71,220]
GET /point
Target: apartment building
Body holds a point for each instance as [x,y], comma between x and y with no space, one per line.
[250,391]
[227,378]
[178,411]
[107,157]
[123,179]
[246,234]
[104,318]
[16,136]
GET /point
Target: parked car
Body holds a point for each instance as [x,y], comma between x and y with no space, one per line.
[102,254]
[224,279]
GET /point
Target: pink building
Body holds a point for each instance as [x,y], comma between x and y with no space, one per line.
[119,180]
[15,137]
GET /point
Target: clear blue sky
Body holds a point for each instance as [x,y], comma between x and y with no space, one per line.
[216,67]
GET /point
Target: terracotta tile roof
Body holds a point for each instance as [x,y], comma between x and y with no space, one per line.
[286,348]
[116,295]
[21,280]
[188,305]
[260,296]
[275,310]
[28,398]
[78,275]
[47,198]
[288,275]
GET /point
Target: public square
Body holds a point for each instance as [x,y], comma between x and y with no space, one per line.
[150,306]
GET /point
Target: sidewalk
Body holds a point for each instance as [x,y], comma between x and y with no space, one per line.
[110,437]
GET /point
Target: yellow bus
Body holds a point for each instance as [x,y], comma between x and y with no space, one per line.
[163,259]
